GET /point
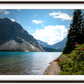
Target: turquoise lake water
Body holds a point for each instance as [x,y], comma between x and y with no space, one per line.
[25,63]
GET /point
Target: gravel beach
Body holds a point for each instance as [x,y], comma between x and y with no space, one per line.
[52,69]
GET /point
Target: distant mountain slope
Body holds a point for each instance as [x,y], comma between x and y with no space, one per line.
[44,44]
[51,49]
[14,37]
[60,45]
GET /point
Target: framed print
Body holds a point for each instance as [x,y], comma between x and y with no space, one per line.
[41,42]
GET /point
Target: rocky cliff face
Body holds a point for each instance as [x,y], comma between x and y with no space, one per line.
[14,37]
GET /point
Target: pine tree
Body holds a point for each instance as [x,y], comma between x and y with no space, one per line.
[76,31]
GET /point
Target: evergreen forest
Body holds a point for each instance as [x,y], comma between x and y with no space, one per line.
[71,60]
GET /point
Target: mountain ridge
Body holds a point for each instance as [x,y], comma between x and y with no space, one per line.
[60,45]
[13,37]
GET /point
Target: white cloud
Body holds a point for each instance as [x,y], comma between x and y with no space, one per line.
[12,20]
[4,11]
[60,15]
[51,34]
[42,25]
[37,21]
[35,15]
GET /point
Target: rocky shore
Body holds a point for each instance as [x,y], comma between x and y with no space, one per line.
[52,69]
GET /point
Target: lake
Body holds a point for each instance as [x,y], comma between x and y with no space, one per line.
[25,63]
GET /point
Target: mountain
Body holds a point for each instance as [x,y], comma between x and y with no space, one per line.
[60,45]
[51,49]
[13,37]
[44,44]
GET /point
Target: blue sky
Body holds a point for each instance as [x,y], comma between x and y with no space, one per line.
[48,25]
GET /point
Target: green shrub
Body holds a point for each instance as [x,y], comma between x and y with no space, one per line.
[75,63]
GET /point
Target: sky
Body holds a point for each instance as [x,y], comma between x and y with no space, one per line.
[48,25]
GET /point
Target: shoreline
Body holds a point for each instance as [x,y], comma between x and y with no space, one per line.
[52,69]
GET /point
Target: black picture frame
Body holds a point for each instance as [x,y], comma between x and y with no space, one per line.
[41,81]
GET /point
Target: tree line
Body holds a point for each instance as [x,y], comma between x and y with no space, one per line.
[76,31]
